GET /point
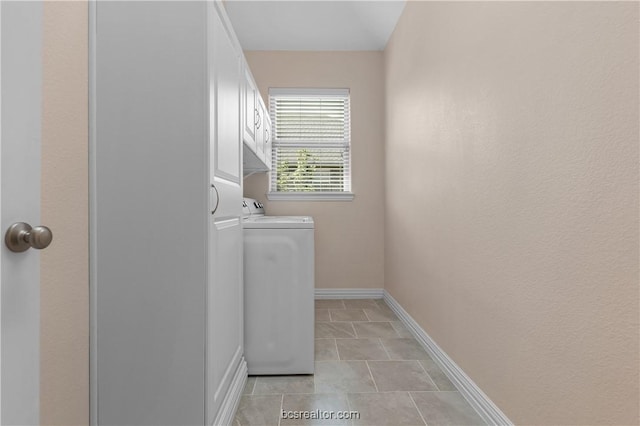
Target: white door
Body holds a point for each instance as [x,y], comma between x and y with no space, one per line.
[20,130]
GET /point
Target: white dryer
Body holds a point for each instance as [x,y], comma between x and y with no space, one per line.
[278,292]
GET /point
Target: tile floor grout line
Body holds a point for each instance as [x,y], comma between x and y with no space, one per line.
[366,315]
[371,374]
[354,392]
[335,342]
[394,329]
[384,348]
[355,333]
[349,406]
[428,375]
[255,385]
[377,360]
[416,405]
[281,407]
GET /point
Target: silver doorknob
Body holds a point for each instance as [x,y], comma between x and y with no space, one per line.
[21,236]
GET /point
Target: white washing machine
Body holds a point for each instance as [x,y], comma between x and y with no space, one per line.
[278,292]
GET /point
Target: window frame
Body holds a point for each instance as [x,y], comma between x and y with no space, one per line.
[273,194]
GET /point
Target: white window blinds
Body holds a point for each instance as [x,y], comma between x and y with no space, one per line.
[311,140]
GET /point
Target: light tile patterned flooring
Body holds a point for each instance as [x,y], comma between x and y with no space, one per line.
[366,361]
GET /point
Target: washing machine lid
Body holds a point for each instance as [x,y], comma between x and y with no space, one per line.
[278,222]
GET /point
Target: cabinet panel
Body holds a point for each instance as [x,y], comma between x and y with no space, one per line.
[250,112]
[257,127]
[260,127]
[224,307]
[225,70]
[225,284]
[267,141]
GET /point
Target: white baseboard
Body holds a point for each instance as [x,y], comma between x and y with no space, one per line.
[349,293]
[232,399]
[489,412]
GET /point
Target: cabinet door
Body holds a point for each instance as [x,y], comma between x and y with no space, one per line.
[260,127]
[267,141]
[225,285]
[249,108]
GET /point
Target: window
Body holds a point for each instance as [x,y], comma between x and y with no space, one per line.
[311,141]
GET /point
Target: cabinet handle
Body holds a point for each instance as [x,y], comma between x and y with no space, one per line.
[259,121]
[217,199]
[256,118]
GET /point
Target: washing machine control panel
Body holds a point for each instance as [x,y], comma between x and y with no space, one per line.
[252,207]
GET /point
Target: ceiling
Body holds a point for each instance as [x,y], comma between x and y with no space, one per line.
[313,24]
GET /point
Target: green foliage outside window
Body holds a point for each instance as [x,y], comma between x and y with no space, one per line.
[296,176]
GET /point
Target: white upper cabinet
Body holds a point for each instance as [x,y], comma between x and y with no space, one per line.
[250,107]
[267,141]
[256,123]
[224,70]
[260,128]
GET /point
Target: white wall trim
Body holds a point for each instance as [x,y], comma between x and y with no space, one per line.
[227,410]
[485,408]
[349,293]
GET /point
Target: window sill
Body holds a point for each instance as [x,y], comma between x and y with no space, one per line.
[310,196]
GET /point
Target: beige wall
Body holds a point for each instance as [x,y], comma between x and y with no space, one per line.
[513,127]
[349,235]
[64,365]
